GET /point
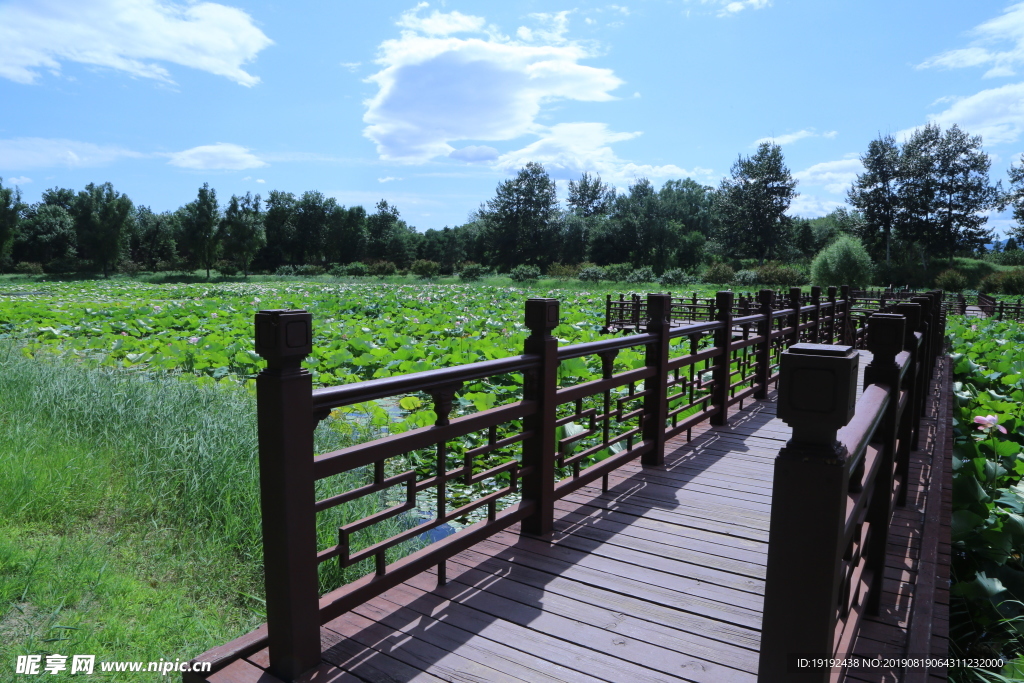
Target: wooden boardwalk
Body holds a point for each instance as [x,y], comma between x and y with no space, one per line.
[661,578]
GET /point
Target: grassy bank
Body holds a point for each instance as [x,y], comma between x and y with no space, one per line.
[129,520]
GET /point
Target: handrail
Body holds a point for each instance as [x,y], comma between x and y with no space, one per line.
[693,371]
[838,481]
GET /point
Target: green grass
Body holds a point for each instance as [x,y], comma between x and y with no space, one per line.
[129,519]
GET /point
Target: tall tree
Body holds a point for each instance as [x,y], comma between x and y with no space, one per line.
[152,242]
[346,234]
[381,228]
[521,219]
[102,224]
[644,226]
[241,230]
[690,204]
[312,218]
[279,224]
[11,207]
[754,201]
[46,233]
[588,196]
[199,228]
[1015,198]
[875,193]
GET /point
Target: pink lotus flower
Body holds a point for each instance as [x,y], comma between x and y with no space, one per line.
[988,422]
[195,340]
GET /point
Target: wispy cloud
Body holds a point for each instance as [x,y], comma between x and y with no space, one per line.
[790,138]
[387,179]
[727,8]
[998,44]
[20,154]
[18,180]
[996,114]
[220,156]
[135,37]
[834,176]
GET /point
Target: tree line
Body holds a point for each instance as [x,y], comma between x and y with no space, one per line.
[928,195]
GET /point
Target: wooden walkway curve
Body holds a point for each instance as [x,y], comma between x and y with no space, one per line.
[661,578]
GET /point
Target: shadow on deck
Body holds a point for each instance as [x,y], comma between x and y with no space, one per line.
[661,578]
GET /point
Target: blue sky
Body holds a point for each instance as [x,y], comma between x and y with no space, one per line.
[430,106]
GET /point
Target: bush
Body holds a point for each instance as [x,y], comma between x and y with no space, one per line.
[675,277]
[64,264]
[524,273]
[844,262]
[381,268]
[285,270]
[951,280]
[775,273]
[1011,281]
[471,272]
[160,267]
[1013,257]
[129,267]
[425,269]
[641,275]
[357,269]
[28,268]
[617,272]
[591,274]
[310,270]
[719,273]
[226,268]
[746,278]
[562,271]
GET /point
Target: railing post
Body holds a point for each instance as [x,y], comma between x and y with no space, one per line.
[721,371]
[541,385]
[794,319]
[831,338]
[284,410]
[816,314]
[817,394]
[928,337]
[886,338]
[846,331]
[766,298]
[912,312]
[659,310]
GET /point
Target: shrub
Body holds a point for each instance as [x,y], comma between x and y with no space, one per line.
[746,278]
[951,280]
[775,273]
[285,270]
[160,267]
[719,273]
[381,268]
[357,269]
[591,274]
[471,272]
[310,270]
[675,277]
[425,269]
[28,268]
[64,264]
[1011,257]
[617,272]
[562,271]
[226,268]
[524,273]
[844,262]
[1012,281]
[129,267]
[641,275]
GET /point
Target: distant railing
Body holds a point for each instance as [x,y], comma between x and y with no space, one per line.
[690,373]
[837,482]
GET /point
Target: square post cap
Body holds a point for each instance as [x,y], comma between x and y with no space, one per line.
[541,315]
[817,393]
[283,335]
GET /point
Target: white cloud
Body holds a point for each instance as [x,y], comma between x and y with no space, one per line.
[131,36]
[567,150]
[1008,28]
[260,180]
[834,176]
[18,180]
[475,154]
[20,154]
[997,114]
[809,206]
[731,7]
[221,156]
[790,138]
[436,89]
[552,30]
[351,66]
[388,179]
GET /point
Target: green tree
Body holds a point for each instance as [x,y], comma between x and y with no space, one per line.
[521,220]
[381,227]
[691,205]
[46,233]
[242,232]
[844,262]
[152,242]
[589,196]
[346,234]
[876,192]
[313,213]
[11,207]
[753,203]
[102,223]
[1015,198]
[200,220]
[279,225]
[644,227]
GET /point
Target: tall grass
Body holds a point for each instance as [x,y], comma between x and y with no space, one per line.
[129,512]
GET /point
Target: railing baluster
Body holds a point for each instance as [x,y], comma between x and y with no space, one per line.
[722,369]
[656,388]
[766,298]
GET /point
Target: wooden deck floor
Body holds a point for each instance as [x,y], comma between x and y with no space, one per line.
[659,579]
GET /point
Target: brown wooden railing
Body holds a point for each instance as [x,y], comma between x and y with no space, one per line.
[690,373]
[837,482]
